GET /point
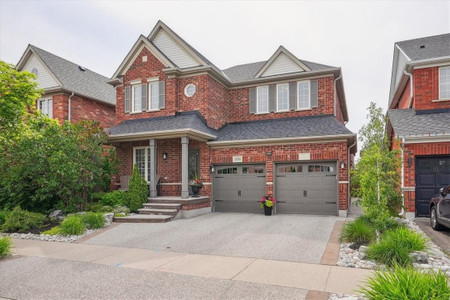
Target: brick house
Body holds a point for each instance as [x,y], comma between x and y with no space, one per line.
[71,92]
[419,118]
[274,127]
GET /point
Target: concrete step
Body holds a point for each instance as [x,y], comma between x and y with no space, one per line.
[158,211]
[143,219]
[179,200]
[162,205]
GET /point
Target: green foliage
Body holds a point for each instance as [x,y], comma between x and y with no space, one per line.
[376,175]
[55,166]
[98,207]
[114,198]
[3,215]
[359,231]
[20,220]
[395,247]
[121,210]
[18,92]
[137,191]
[5,246]
[72,225]
[53,231]
[93,220]
[406,284]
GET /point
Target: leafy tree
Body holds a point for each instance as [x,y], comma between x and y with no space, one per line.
[137,191]
[376,175]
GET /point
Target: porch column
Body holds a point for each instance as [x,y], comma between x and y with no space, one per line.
[152,154]
[184,167]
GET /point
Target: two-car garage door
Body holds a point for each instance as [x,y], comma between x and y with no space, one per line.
[304,188]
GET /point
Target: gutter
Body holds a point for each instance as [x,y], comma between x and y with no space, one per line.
[69,111]
[335,92]
[348,172]
[403,175]
[411,85]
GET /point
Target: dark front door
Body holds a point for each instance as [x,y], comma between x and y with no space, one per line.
[432,173]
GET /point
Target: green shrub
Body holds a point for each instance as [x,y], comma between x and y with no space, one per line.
[93,220]
[52,231]
[99,207]
[5,246]
[114,198]
[3,215]
[121,210]
[405,284]
[20,220]
[138,190]
[395,247]
[359,231]
[72,225]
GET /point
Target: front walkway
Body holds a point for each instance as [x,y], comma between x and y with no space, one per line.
[301,276]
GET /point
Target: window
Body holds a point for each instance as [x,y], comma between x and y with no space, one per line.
[304,99]
[137,97]
[317,168]
[141,157]
[290,169]
[262,99]
[46,107]
[227,171]
[283,97]
[154,95]
[252,170]
[444,83]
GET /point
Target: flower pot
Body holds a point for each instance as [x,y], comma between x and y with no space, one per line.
[267,210]
[195,191]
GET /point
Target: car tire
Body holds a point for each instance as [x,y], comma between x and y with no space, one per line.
[433,220]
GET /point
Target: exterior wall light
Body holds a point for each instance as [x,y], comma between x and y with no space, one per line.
[342,164]
[211,168]
[269,153]
[165,155]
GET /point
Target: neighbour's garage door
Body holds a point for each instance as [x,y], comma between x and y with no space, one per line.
[432,173]
[306,188]
[238,188]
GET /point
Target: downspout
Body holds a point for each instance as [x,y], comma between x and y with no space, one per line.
[335,92]
[348,173]
[411,87]
[403,175]
[69,111]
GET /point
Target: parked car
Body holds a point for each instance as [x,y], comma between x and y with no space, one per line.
[440,209]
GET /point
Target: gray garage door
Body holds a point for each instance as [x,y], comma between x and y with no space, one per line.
[238,188]
[306,188]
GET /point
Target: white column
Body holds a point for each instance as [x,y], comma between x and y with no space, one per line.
[184,167]
[152,156]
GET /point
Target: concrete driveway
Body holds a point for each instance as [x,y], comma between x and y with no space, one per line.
[440,238]
[299,238]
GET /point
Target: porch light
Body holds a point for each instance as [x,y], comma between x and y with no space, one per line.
[409,162]
[342,164]
[165,155]
[211,168]
[269,153]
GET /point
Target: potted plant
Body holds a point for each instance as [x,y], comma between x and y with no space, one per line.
[267,203]
[196,184]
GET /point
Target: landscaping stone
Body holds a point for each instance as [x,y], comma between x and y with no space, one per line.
[362,251]
[345,297]
[57,214]
[419,257]
[108,219]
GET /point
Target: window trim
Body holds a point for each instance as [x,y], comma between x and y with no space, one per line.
[309,95]
[132,98]
[257,99]
[439,83]
[146,159]
[47,100]
[287,96]
[149,93]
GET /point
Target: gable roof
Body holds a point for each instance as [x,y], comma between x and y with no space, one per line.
[426,47]
[412,123]
[72,77]
[295,62]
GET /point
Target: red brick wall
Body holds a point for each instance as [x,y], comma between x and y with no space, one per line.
[60,107]
[239,100]
[426,89]
[405,98]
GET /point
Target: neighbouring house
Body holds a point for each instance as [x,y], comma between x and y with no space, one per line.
[273,127]
[71,92]
[419,118]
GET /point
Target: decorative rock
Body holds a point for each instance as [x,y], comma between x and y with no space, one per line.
[56,214]
[362,251]
[419,257]
[108,218]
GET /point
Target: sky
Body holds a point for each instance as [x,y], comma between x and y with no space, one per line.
[357,36]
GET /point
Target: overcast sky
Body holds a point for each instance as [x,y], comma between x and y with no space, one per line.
[357,36]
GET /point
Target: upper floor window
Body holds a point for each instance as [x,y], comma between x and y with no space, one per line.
[46,107]
[444,83]
[145,97]
[283,97]
[262,99]
[304,94]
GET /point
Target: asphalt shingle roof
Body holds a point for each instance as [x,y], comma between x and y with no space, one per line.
[282,128]
[427,47]
[72,78]
[408,122]
[248,71]
[192,120]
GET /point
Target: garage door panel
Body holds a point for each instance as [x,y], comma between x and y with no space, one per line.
[442,179]
[238,206]
[427,179]
[306,208]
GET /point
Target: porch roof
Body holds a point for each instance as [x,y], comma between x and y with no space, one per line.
[411,123]
[186,123]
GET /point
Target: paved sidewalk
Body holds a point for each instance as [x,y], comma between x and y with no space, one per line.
[251,270]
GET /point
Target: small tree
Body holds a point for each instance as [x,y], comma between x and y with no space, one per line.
[376,174]
[138,190]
